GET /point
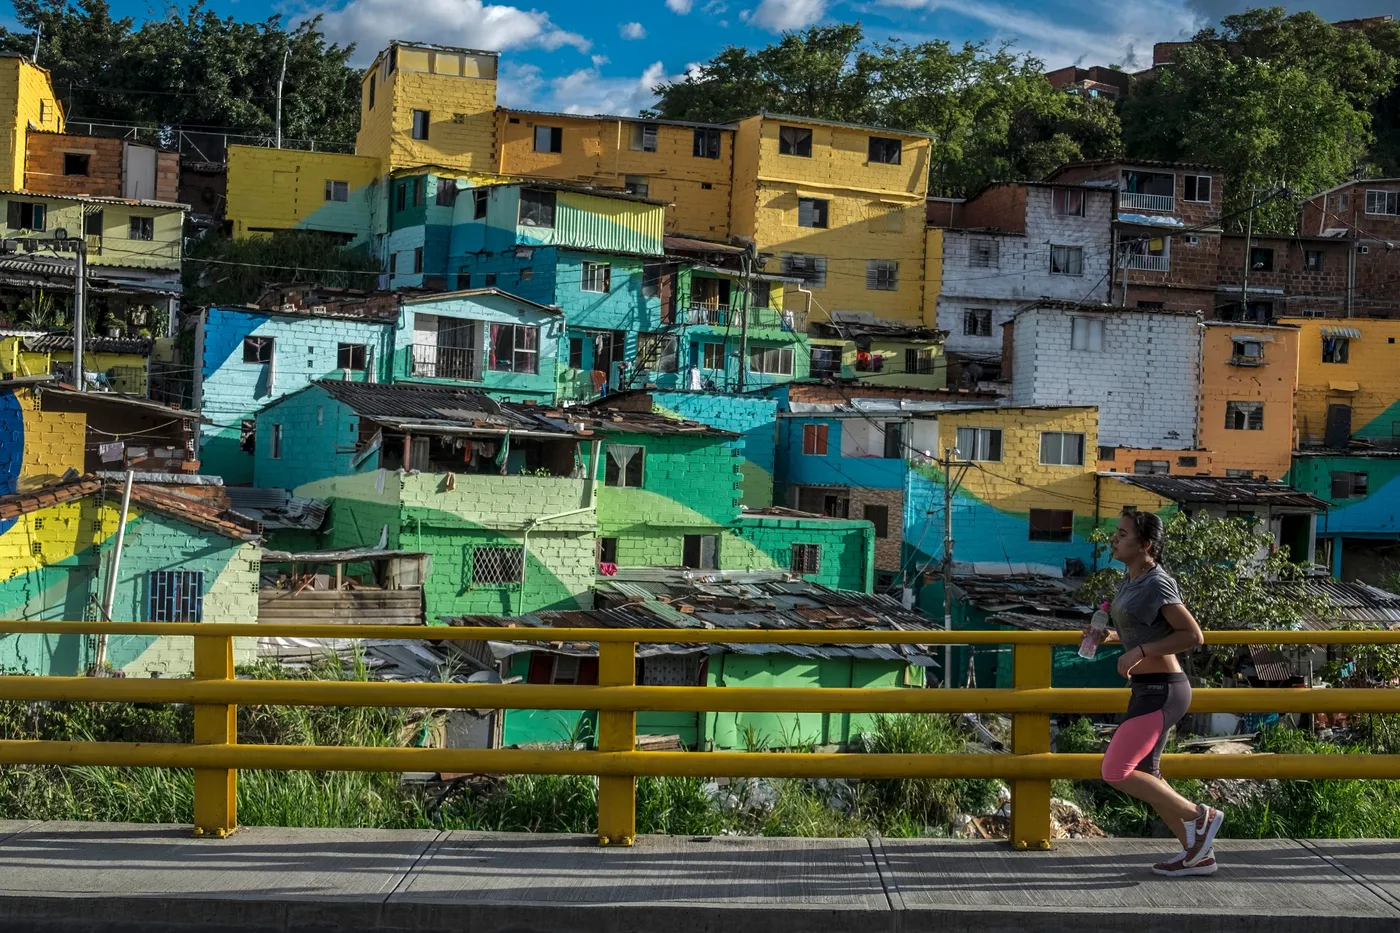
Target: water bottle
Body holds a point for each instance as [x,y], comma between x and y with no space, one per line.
[1098,627]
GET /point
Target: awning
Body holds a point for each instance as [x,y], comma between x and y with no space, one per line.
[1350,332]
[1342,386]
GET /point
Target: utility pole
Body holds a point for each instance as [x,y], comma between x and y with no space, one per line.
[950,488]
[1248,240]
[282,76]
[37,35]
[79,243]
[745,264]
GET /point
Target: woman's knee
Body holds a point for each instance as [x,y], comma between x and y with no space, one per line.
[1115,771]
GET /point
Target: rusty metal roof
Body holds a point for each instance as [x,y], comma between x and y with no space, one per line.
[1220,490]
[48,343]
[403,403]
[154,498]
[1348,603]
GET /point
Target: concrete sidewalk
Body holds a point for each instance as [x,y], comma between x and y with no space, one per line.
[108,878]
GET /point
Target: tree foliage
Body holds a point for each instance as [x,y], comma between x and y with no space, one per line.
[191,69]
[233,272]
[991,113]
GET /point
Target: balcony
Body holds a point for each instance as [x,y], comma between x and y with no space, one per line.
[725,316]
[1157,203]
[433,362]
[1146,261]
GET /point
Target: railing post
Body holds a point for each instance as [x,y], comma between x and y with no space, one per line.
[617,732]
[1030,734]
[215,789]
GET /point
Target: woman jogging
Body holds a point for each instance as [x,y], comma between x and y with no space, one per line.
[1154,627]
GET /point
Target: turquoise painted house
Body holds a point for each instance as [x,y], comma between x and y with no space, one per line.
[1360,529]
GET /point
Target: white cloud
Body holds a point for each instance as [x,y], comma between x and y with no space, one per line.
[600,60]
[471,23]
[680,7]
[519,85]
[1119,27]
[589,91]
[632,31]
[782,15]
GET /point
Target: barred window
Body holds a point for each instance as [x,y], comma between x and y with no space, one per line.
[497,565]
[175,596]
[806,558]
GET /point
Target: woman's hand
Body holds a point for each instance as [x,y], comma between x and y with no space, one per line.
[1110,637]
[1129,660]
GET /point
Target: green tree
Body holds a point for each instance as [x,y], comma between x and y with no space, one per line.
[191,70]
[234,272]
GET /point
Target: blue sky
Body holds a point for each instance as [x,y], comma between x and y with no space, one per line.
[604,56]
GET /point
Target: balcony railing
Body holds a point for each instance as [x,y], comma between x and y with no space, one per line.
[1160,203]
[725,316]
[431,362]
[1146,261]
[712,315]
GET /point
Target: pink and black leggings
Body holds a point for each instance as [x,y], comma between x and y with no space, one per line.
[1159,701]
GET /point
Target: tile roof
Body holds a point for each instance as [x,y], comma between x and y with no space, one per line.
[154,498]
[1219,490]
[22,503]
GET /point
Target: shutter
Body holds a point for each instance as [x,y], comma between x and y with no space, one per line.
[872,274]
[805,212]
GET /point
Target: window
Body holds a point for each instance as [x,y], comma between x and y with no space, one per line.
[1312,260]
[497,565]
[982,254]
[1152,467]
[1382,202]
[549,139]
[337,190]
[371,89]
[879,516]
[1086,334]
[276,452]
[401,197]
[1336,349]
[175,596]
[597,277]
[700,552]
[77,163]
[982,444]
[811,212]
[977,322]
[773,361]
[661,353]
[825,362]
[1058,448]
[417,260]
[1349,485]
[143,228]
[894,440]
[644,136]
[814,438]
[1052,525]
[419,187]
[811,269]
[885,150]
[92,223]
[636,184]
[881,275]
[1244,416]
[420,124]
[1066,260]
[526,274]
[806,558]
[1246,353]
[1196,188]
[919,362]
[536,208]
[795,141]
[1261,259]
[479,198]
[24,215]
[393,263]
[515,348]
[446,192]
[350,356]
[1187,461]
[712,357]
[607,550]
[1108,453]
[706,144]
[257,349]
[624,466]
[1067,202]
[576,353]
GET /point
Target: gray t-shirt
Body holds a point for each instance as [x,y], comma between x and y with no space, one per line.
[1137,607]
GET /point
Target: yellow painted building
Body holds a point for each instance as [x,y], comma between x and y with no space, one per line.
[840,205]
[280,189]
[429,105]
[1349,371]
[27,101]
[119,232]
[687,166]
[119,359]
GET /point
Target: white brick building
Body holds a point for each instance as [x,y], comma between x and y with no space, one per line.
[1141,368]
[1014,243]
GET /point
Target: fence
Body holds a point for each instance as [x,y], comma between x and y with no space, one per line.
[216,757]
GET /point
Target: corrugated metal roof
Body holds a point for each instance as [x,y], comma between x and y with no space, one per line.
[432,403]
[1348,603]
[1349,332]
[1217,490]
[97,199]
[48,343]
[276,508]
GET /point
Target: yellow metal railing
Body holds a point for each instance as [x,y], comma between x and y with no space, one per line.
[216,757]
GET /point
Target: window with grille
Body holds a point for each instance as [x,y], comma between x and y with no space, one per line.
[257,349]
[919,362]
[814,437]
[977,322]
[351,356]
[1051,525]
[825,362]
[795,141]
[597,277]
[885,150]
[811,269]
[806,558]
[982,444]
[663,352]
[497,565]
[706,144]
[644,136]
[536,208]
[1066,260]
[1244,416]
[175,596]
[811,212]
[983,254]
[1058,448]
[882,275]
[1068,202]
[515,348]
[1382,202]
[420,124]
[1350,485]
[625,465]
